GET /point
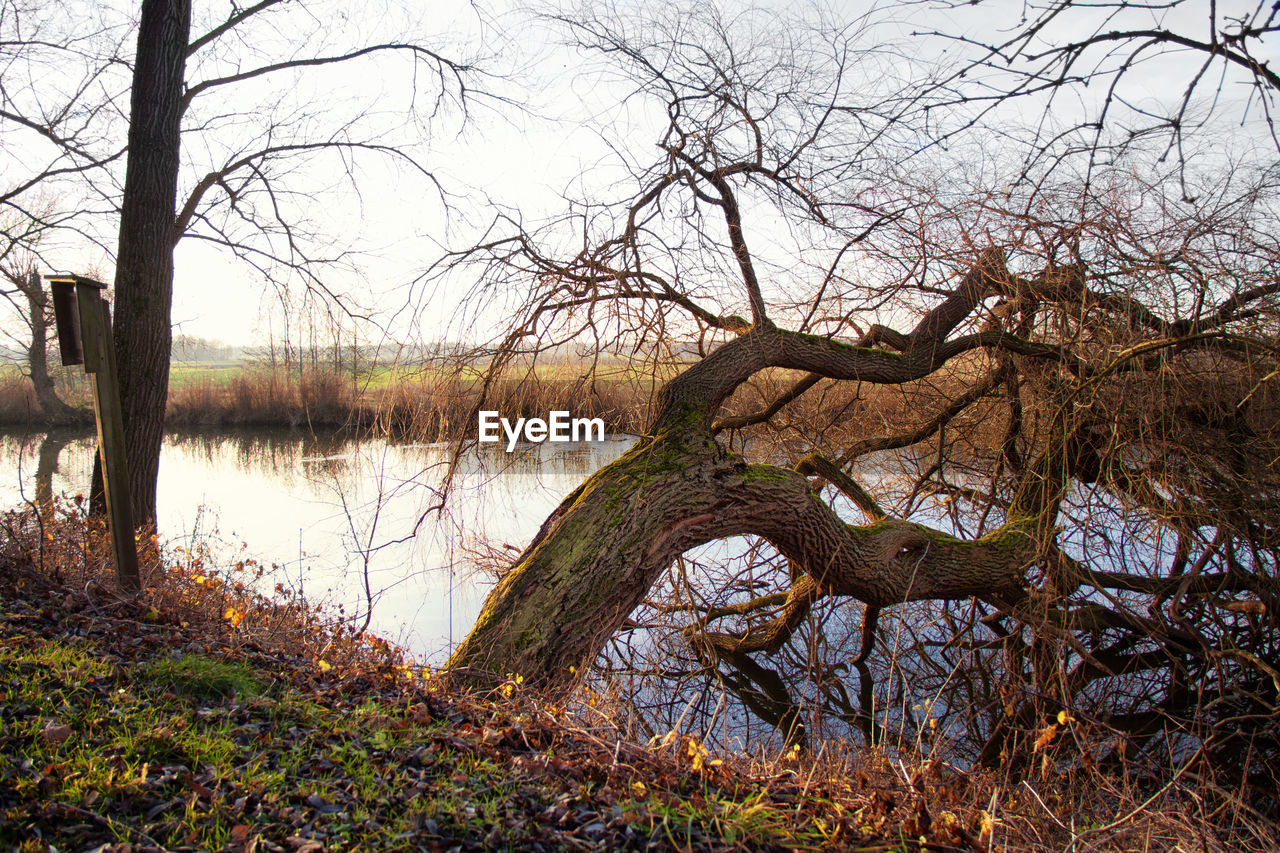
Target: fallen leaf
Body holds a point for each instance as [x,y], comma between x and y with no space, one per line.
[986,826]
[1046,737]
[54,733]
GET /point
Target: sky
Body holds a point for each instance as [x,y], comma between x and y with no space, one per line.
[544,121]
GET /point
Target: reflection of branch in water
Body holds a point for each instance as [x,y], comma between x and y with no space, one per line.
[771,636]
[762,690]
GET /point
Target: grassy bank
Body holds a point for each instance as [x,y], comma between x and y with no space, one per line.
[201,716]
[434,404]
[429,404]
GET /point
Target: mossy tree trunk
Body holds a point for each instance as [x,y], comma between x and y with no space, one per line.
[597,556]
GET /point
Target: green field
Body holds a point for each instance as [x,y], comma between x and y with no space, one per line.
[435,398]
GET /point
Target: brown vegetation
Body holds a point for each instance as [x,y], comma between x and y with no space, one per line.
[18,403]
[17,399]
[422,765]
[429,408]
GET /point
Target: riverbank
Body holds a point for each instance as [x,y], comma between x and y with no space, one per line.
[428,404]
[436,403]
[201,716]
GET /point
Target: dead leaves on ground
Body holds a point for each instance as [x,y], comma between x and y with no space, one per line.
[336,758]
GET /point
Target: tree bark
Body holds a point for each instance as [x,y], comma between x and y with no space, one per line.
[609,541]
[144,262]
[600,552]
[55,411]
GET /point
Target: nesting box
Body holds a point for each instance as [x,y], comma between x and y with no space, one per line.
[83,320]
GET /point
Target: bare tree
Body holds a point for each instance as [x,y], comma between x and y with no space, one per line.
[57,111]
[31,304]
[235,81]
[1072,359]
[20,239]
[754,126]
[228,197]
[1164,74]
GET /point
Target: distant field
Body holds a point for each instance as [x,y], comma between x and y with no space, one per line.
[183,373]
[433,400]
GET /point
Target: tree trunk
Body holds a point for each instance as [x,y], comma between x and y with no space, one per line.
[608,542]
[597,556]
[51,406]
[144,263]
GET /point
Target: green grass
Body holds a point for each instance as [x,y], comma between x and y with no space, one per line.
[201,678]
[220,373]
[83,734]
[196,753]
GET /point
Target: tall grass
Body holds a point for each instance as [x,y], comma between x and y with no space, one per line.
[446,408]
[17,399]
[18,403]
[434,405]
[262,397]
[429,407]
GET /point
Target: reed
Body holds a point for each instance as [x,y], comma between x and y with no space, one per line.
[443,409]
[429,407]
[18,404]
[17,399]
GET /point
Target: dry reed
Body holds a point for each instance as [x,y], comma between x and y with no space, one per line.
[429,409]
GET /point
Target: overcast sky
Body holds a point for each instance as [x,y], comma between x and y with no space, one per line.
[546,121]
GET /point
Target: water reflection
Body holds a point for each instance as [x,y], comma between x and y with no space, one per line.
[47,465]
[42,467]
[353,523]
[344,521]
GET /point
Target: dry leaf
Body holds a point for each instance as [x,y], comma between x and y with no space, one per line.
[54,733]
[1046,737]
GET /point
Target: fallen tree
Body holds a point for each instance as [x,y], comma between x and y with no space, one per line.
[596,558]
[1080,406]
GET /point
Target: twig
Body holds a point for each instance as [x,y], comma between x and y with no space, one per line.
[112,825]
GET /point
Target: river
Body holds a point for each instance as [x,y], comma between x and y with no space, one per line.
[348,523]
[326,511]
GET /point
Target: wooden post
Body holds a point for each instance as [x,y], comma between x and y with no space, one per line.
[100,362]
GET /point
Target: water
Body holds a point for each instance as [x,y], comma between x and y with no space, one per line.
[354,524]
[343,521]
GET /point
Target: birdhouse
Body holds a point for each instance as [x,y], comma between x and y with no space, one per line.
[69,293]
[83,319]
